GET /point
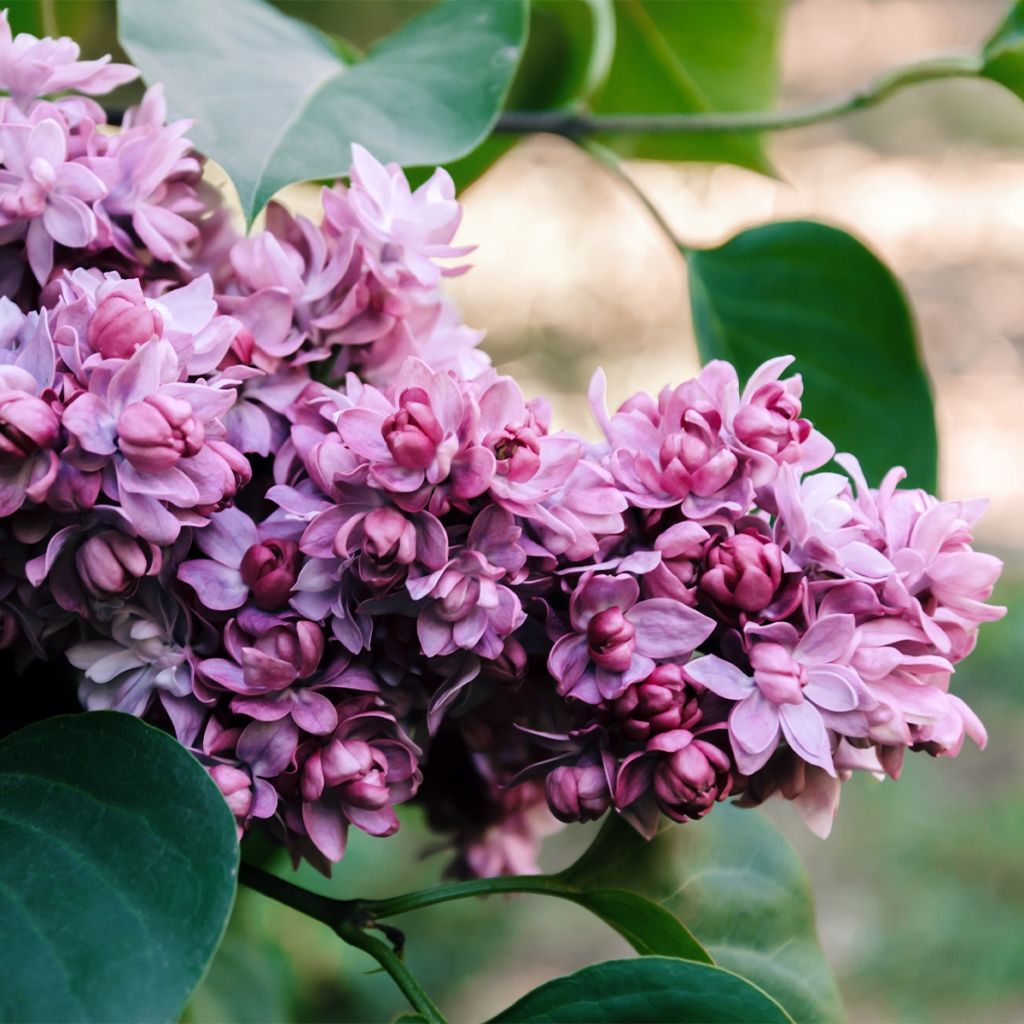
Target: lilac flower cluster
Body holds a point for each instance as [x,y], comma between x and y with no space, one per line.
[403,583]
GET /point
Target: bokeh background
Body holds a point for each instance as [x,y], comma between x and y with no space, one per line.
[920,889]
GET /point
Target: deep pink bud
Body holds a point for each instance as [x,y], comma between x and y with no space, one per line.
[577,792]
[110,564]
[770,422]
[269,570]
[300,645]
[611,638]
[122,322]
[26,425]
[777,675]
[510,666]
[690,775]
[743,572]
[412,434]
[370,792]
[662,702]
[155,433]
[236,787]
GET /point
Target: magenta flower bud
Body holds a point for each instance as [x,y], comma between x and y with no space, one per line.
[412,434]
[662,702]
[122,322]
[778,676]
[691,775]
[155,433]
[300,645]
[611,638]
[346,761]
[577,792]
[110,564]
[313,782]
[743,572]
[517,452]
[26,425]
[269,570]
[770,421]
[510,666]
[235,786]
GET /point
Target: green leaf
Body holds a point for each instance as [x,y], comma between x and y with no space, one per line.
[693,57]
[568,56]
[739,887]
[1003,55]
[119,868]
[646,990]
[274,104]
[809,290]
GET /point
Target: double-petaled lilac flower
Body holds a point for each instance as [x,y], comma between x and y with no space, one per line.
[464,604]
[156,441]
[355,775]
[795,678]
[615,638]
[31,67]
[45,196]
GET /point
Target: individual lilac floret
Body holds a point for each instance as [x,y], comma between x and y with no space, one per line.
[354,776]
[616,638]
[31,67]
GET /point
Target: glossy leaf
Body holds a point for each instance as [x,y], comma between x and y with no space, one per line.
[1003,56]
[568,56]
[274,104]
[646,990]
[698,56]
[119,869]
[740,888]
[809,290]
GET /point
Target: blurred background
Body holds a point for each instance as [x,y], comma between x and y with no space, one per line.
[920,889]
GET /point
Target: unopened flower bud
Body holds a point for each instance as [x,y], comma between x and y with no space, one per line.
[26,424]
[743,572]
[778,676]
[346,761]
[611,639]
[155,433]
[662,702]
[412,434]
[269,570]
[235,786]
[690,776]
[110,564]
[122,322]
[577,792]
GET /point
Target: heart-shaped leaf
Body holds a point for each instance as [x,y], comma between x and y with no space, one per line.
[809,290]
[275,104]
[645,990]
[737,884]
[119,868]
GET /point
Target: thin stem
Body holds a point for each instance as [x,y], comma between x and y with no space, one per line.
[578,125]
[48,17]
[609,159]
[349,919]
[542,884]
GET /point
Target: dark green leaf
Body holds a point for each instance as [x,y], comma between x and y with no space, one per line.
[119,866]
[1003,56]
[737,884]
[813,291]
[275,105]
[693,57]
[646,990]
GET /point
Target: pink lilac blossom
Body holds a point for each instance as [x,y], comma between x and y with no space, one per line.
[268,494]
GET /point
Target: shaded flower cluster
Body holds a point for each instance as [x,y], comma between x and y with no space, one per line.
[268,494]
